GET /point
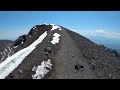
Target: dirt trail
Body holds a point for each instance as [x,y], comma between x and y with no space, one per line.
[67,57]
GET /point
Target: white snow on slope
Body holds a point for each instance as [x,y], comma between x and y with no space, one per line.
[46,24]
[9,51]
[7,66]
[15,46]
[2,58]
[5,53]
[34,27]
[41,70]
[55,38]
[8,48]
[55,27]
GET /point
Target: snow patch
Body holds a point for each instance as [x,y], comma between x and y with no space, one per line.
[105,48]
[41,70]
[22,42]
[4,52]
[34,68]
[46,24]
[2,58]
[36,30]
[15,46]
[7,66]
[9,48]
[55,38]
[9,51]
[34,27]
[55,27]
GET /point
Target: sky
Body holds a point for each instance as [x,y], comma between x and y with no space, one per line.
[101,26]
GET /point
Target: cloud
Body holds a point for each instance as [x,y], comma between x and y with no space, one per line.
[110,35]
[99,33]
[12,34]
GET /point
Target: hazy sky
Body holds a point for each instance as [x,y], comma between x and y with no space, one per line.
[92,24]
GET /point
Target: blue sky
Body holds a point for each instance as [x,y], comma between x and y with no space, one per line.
[92,24]
[73,19]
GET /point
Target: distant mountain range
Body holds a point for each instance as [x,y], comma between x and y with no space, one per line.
[113,44]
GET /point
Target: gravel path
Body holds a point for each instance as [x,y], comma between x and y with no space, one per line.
[67,58]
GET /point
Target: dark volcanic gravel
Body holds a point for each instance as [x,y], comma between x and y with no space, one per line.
[102,63]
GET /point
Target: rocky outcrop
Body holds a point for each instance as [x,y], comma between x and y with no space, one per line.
[20,40]
[5,49]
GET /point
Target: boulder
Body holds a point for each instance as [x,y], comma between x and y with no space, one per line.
[20,40]
[79,67]
[20,71]
[48,49]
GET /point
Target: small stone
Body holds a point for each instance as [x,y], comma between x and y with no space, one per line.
[46,53]
[76,67]
[34,68]
[75,71]
[48,49]
[52,53]
[110,75]
[113,77]
[20,71]
[79,67]
[53,69]
[84,55]
[102,63]
[89,62]
[72,55]
[47,68]
[117,70]
[94,66]
[10,77]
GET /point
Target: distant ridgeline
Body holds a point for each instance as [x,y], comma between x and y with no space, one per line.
[113,51]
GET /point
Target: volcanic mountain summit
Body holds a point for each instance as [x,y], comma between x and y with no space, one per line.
[51,51]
